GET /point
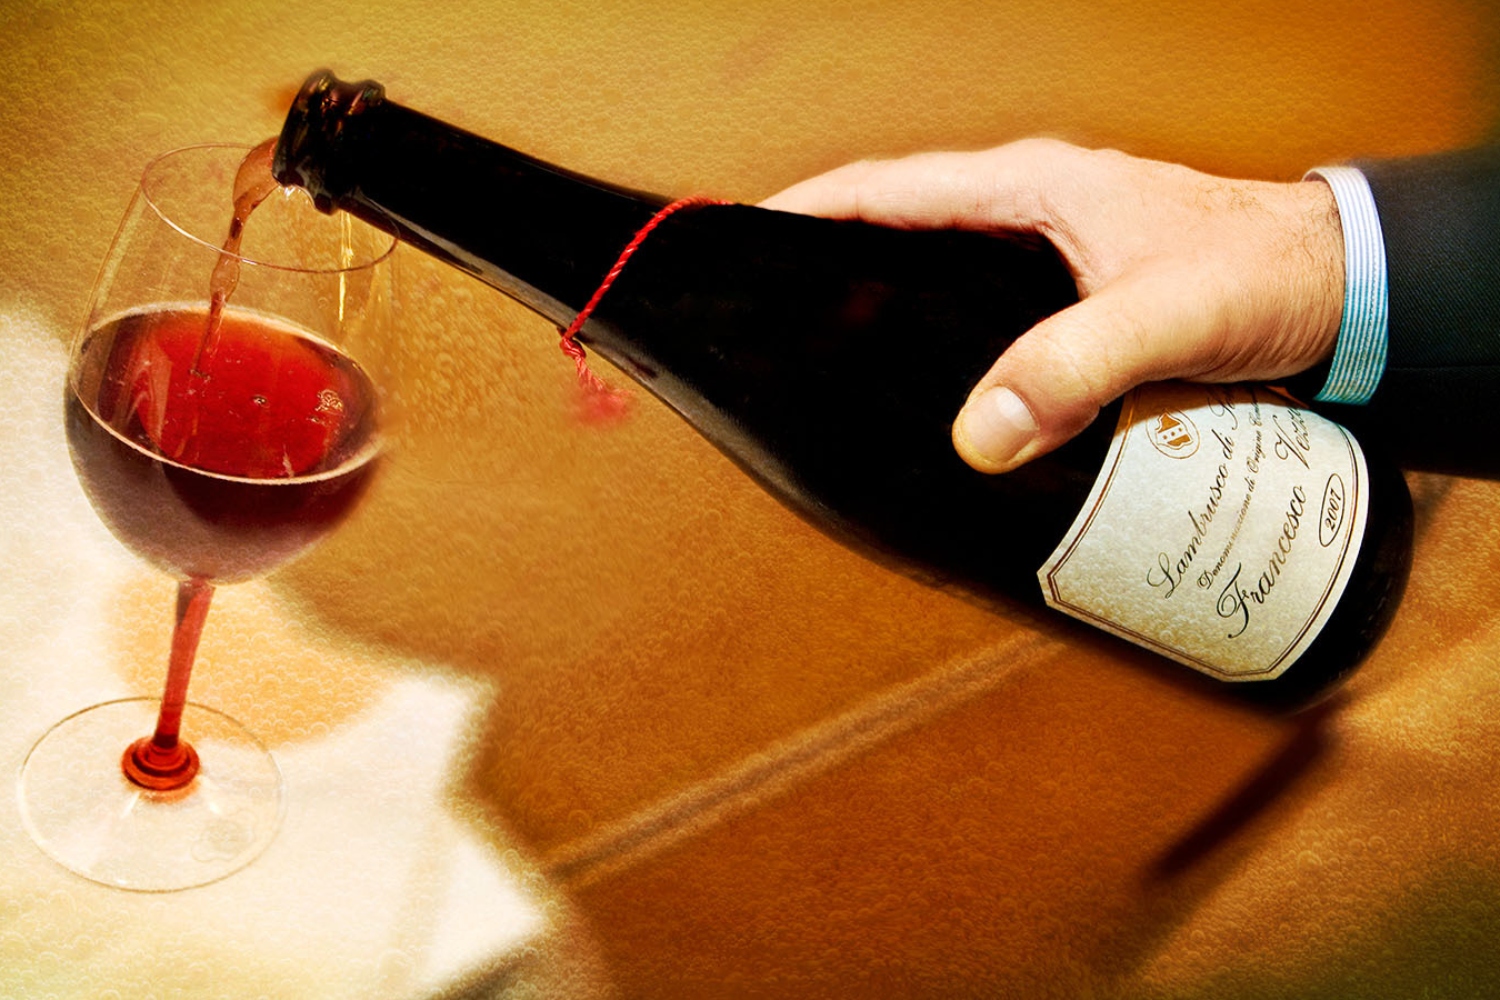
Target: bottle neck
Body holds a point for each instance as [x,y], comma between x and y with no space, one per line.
[541,234]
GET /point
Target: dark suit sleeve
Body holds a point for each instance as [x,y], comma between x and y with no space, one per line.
[1438,404]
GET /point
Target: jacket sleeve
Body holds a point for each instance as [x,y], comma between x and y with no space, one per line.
[1438,404]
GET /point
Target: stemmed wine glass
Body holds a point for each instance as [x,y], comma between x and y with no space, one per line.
[223,414]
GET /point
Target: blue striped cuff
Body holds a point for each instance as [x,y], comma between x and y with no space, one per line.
[1359,355]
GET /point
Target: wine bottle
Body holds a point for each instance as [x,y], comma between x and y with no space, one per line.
[1225,527]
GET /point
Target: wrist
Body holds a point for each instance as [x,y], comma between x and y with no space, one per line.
[1318,224]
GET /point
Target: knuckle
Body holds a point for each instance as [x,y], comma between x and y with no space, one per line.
[1079,360]
[1043,147]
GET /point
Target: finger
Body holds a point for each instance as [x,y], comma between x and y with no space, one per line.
[1053,381]
[832,194]
[997,188]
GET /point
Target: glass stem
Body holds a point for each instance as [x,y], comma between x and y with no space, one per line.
[164,761]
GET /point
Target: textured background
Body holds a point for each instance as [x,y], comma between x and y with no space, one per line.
[726,756]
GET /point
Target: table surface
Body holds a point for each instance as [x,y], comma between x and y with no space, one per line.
[577,712]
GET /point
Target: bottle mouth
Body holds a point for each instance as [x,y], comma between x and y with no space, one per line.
[317,124]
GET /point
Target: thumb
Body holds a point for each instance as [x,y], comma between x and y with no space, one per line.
[1051,383]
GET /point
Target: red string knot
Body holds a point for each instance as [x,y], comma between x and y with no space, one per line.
[601,403]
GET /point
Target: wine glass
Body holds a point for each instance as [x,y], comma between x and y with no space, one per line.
[222,414]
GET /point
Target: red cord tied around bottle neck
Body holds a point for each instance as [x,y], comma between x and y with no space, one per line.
[601,403]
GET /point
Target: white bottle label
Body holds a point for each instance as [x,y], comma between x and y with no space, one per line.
[1221,531]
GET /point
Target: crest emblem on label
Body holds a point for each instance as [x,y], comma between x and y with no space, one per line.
[1174,434]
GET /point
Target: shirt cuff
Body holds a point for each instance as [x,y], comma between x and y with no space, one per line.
[1359,356]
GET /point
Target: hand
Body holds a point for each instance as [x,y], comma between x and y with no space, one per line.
[1180,275]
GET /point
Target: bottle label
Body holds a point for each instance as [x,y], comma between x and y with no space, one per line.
[1221,531]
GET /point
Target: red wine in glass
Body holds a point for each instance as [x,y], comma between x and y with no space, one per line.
[226,473]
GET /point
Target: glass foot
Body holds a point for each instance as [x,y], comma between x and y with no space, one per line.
[83,811]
